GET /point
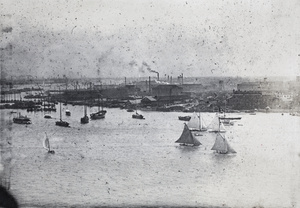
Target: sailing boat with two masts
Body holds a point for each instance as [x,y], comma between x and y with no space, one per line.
[187,138]
[61,122]
[85,118]
[197,123]
[221,145]
[46,145]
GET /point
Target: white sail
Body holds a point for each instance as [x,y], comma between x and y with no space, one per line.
[46,143]
[230,149]
[222,127]
[194,123]
[216,125]
[187,137]
[222,146]
[202,123]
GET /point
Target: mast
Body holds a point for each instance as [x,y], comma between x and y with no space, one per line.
[60,110]
[85,109]
[225,109]
[199,122]
[99,104]
[219,122]
[202,125]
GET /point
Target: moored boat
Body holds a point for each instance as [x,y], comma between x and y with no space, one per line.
[100,114]
[184,118]
[97,115]
[47,116]
[68,112]
[230,118]
[227,122]
[22,119]
[138,116]
[85,118]
[61,122]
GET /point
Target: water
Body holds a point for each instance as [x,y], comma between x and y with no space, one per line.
[120,161]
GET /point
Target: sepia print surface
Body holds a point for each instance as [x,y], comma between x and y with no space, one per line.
[150,103]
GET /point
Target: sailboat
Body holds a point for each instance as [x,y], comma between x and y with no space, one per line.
[100,114]
[222,146]
[85,118]
[187,138]
[22,119]
[197,123]
[216,125]
[137,115]
[61,122]
[46,145]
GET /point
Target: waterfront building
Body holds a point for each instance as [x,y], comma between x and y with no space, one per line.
[167,90]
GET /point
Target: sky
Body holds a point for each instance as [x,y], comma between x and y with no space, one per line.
[137,38]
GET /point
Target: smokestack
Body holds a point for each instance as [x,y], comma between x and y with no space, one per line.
[157,76]
[182,78]
[168,78]
[171,80]
[125,81]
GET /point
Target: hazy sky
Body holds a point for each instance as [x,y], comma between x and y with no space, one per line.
[107,38]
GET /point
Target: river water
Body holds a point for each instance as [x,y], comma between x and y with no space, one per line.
[120,161]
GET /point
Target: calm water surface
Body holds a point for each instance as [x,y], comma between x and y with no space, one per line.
[120,161]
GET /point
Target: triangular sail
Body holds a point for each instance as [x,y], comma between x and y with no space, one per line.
[194,124]
[187,137]
[229,148]
[222,127]
[214,125]
[221,145]
[46,143]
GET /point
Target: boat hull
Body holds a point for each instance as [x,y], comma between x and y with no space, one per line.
[84,120]
[184,118]
[189,145]
[62,123]
[138,116]
[230,118]
[21,121]
[95,116]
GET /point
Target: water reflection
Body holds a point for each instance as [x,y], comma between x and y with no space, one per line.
[185,149]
